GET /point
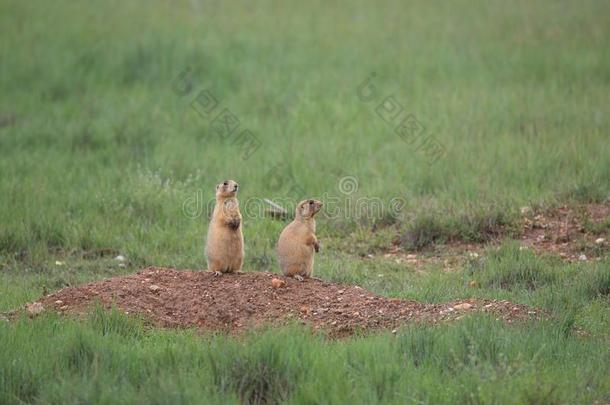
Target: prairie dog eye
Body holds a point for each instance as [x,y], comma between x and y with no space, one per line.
[310,202]
[225,183]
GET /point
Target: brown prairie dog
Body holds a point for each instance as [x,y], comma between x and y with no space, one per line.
[298,242]
[224,247]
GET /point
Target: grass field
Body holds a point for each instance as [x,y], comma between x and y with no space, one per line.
[108,143]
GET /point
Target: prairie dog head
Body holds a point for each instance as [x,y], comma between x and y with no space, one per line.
[227,189]
[306,209]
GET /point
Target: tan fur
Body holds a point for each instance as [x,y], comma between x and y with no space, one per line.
[298,242]
[224,248]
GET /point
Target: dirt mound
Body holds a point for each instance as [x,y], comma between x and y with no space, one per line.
[181,298]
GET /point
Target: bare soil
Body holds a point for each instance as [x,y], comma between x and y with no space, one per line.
[236,302]
[567,231]
[572,233]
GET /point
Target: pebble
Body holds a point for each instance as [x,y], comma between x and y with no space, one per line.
[599,241]
[154,288]
[582,257]
[464,305]
[277,283]
[120,258]
[34,308]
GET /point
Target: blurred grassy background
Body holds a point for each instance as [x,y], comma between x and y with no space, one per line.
[97,151]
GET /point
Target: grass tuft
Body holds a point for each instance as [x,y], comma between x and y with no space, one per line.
[115,322]
[470,226]
[511,267]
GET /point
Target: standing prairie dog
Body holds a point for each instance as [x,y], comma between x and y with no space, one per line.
[298,242]
[224,247]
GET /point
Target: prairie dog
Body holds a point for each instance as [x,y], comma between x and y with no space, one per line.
[224,247]
[298,242]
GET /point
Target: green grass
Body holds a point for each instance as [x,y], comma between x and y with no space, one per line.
[103,153]
[479,360]
[99,155]
[477,226]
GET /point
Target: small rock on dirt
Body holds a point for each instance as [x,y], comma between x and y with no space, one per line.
[154,288]
[277,283]
[34,308]
[464,305]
